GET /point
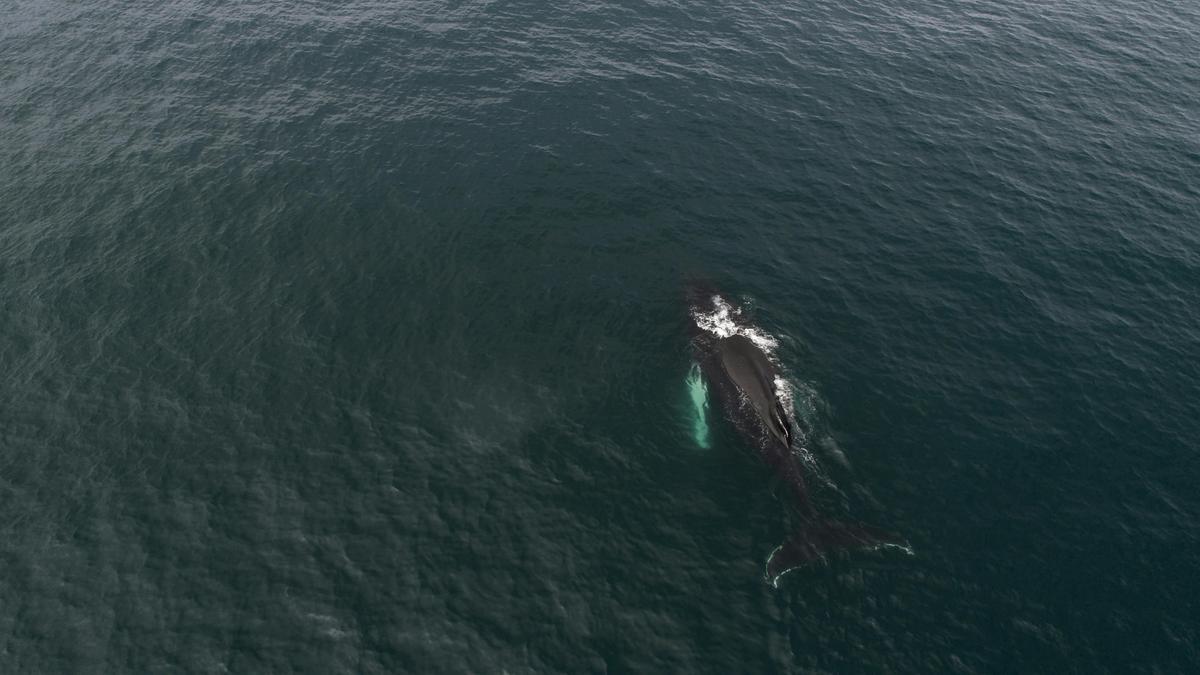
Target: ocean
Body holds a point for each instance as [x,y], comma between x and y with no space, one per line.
[351,337]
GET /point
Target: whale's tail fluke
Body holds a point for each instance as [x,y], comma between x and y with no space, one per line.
[817,538]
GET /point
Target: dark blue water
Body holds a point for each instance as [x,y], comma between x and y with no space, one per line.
[350,337]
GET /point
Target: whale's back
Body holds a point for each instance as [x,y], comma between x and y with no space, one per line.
[749,369]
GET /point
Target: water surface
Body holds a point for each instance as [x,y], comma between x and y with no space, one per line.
[351,338]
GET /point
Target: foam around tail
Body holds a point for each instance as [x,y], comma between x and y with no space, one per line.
[816,539]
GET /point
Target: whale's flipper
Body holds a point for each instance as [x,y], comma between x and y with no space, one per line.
[698,394]
[817,538]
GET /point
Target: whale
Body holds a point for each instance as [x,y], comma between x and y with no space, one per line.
[748,389]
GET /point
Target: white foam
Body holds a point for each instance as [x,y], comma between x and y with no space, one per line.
[785,394]
[723,322]
[720,321]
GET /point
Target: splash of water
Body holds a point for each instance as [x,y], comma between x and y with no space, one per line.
[723,322]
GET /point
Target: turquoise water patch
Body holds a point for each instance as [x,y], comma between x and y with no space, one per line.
[698,395]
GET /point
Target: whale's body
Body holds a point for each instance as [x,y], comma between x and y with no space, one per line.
[747,385]
[752,373]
